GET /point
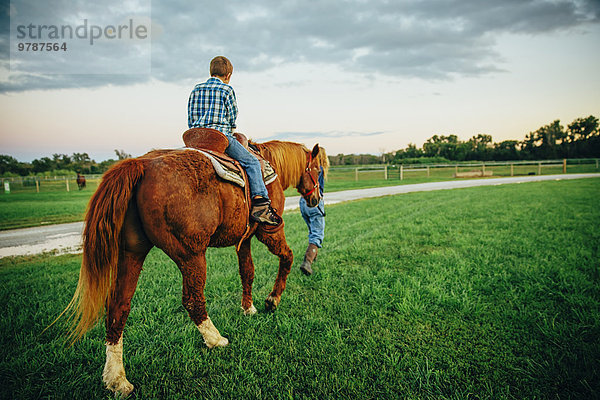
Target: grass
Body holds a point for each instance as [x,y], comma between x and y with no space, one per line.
[480,293]
[21,210]
[23,207]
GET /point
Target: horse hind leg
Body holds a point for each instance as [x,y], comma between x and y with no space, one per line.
[135,247]
[130,266]
[277,245]
[193,271]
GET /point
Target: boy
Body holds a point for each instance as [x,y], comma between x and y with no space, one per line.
[212,104]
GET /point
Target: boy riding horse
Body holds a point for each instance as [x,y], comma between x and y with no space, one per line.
[212,104]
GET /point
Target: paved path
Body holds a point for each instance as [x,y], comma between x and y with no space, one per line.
[66,238]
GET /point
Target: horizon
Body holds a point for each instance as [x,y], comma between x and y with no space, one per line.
[460,140]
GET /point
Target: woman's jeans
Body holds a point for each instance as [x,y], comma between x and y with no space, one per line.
[315,220]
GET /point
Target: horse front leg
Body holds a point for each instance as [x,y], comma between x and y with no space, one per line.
[247,276]
[128,272]
[277,245]
[193,271]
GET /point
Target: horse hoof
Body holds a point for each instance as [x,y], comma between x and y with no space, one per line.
[212,337]
[250,311]
[222,342]
[271,303]
[121,387]
[217,342]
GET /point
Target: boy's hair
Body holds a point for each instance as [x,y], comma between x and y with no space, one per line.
[220,66]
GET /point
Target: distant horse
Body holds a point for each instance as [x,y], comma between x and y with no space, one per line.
[80,181]
[172,199]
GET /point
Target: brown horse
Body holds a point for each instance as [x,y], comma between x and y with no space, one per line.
[80,181]
[172,199]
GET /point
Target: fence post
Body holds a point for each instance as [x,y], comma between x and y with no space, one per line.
[512,170]
[401,171]
[37,185]
[540,168]
[456,169]
[428,171]
[596,163]
[564,165]
[385,172]
[67,181]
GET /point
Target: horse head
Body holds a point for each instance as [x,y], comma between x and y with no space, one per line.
[309,182]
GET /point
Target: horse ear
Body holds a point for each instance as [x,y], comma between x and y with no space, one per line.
[315,151]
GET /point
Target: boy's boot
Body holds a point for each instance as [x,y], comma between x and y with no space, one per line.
[309,257]
[263,212]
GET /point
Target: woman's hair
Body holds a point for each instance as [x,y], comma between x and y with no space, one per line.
[324,161]
[220,66]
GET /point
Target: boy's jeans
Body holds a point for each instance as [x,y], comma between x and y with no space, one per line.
[315,220]
[250,164]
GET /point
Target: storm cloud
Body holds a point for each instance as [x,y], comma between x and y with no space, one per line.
[430,40]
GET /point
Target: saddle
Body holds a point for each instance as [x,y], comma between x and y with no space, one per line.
[213,144]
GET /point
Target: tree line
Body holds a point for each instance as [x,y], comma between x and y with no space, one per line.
[58,164]
[580,139]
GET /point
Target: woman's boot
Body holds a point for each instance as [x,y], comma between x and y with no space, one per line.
[309,257]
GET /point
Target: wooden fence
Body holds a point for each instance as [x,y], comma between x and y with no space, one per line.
[35,184]
[464,169]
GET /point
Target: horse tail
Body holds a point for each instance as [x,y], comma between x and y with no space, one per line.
[101,245]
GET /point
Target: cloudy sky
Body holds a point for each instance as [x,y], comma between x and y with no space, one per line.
[356,76]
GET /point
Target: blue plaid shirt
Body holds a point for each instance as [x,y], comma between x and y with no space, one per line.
[212,104]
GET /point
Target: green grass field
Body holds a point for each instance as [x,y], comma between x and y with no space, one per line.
[20,210]
[482,293]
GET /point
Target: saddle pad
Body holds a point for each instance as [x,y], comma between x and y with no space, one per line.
[223,171]
[231,175]
[269,174]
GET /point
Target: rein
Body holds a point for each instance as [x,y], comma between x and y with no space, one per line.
[315,182]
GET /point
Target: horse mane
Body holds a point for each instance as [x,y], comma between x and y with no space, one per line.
[287,158]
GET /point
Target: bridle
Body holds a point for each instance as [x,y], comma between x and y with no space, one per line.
[314,182]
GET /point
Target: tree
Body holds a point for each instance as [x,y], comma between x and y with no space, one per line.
[8,164]
[441,146]
[480,147]
[44,164]
[506,150]
[582,128]
[121,155]
[583,137]
[62,161]
[550,137]
[412,151]
[82,162]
